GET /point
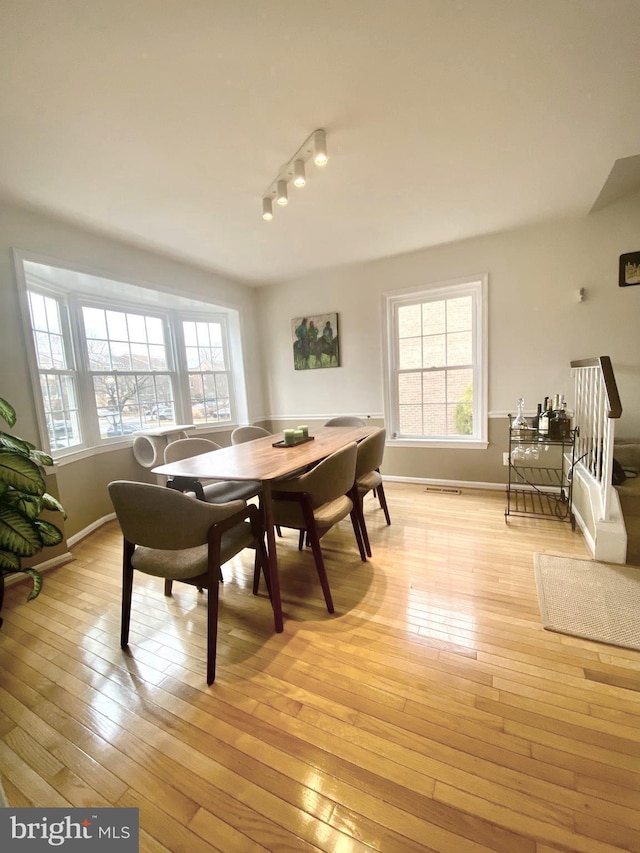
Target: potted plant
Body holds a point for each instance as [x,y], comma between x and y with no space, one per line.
[23,497]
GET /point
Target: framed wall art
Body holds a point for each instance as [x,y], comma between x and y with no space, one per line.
[629,272]
[315,341]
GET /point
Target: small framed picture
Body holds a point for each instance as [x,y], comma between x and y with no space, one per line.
[629,269]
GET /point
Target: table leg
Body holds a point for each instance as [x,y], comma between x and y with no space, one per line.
[267,508]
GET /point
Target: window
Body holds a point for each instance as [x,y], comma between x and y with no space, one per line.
[206,354]
[56,371]
[106,364]
[128,361]
[436,377]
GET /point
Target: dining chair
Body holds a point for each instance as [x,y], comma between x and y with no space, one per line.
[215,492]
[315,501]
[345,420]
[174,536]
[248,433]
[369,479]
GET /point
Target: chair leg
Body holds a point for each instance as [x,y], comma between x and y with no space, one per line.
[322,572]
[383,502]
[261,563]
[127,589]
[212,631]
[301,540]
[168,587]
[360,531]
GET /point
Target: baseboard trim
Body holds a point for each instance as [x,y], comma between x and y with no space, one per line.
[457,484]
[77,537]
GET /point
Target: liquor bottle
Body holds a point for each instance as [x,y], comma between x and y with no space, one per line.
[543,422]
[536,418]
[560,424]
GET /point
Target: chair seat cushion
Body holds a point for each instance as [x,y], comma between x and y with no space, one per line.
[289,513]
[190,562]
[235,490]
[368,481]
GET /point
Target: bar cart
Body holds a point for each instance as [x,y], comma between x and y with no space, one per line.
[540,480]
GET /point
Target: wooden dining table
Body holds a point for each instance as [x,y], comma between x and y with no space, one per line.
[260,460]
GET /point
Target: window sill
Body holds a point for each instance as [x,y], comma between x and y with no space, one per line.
[441,444]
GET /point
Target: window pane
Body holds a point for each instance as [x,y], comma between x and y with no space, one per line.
[434,384]
[434,351]
[409,319]
[117,326]
[410,353]
[411,420]
[435,420]
[409,388]
[459,348]
[95,324]
[433,318]
[459,314]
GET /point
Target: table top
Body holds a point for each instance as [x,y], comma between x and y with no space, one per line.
[259,460]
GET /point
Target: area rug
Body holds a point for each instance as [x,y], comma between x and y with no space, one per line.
[584,598]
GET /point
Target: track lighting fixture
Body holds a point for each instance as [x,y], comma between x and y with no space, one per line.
[314,148]
[281,193]
[299,179]
[267,208]
[320,144]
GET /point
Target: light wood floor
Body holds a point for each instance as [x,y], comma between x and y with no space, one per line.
[431,712]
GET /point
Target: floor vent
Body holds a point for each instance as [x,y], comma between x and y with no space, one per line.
[444,490]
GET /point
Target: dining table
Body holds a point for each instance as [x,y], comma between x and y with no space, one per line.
[268,460]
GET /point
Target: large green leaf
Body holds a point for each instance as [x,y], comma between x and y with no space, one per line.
[40,457]
[18,534]
[12,442]
[7,412]
[36,577]
[49,502]
[49,533]
[9,562]
[21,473]
[28,505]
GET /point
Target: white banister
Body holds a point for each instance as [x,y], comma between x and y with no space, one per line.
[596,408]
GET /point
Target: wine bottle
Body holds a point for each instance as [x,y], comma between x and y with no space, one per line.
[543,422]
[536,418]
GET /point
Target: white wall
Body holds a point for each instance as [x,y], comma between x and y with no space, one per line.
[536,325]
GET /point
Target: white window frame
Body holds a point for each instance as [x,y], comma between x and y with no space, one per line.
[477,287]
[129,297]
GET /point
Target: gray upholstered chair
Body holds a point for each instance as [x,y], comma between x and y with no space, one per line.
[218,493]
[345,420]
[174,536]
[248,433]
[369,479]
[316,500]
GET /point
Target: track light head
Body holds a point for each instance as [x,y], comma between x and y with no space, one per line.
[320,144]
[299,179]
[267,208]
[281,193]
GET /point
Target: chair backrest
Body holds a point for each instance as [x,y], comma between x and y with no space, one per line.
[162,518]
[248,433]
[345,420]
[330,479]
[370,452]
[184,448]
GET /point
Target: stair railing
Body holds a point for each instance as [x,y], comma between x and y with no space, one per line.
[596,409]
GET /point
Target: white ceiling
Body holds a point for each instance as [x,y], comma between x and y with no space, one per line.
[163,121]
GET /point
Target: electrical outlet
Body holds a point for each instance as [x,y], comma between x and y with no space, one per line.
[505,459]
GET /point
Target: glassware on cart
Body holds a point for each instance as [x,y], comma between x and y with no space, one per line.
[520,422]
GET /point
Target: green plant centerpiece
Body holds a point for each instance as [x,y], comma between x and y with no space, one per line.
[23,498]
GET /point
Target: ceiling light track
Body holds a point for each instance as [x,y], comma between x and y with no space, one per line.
[314,148]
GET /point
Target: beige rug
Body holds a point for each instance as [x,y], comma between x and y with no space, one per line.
[596,601]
